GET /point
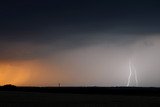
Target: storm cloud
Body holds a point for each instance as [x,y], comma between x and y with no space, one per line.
[88,42]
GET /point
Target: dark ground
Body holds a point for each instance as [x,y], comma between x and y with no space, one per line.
[79,97]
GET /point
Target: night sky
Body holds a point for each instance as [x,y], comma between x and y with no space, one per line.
[79,42]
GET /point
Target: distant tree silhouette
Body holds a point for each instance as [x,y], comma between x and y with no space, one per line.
[9,87]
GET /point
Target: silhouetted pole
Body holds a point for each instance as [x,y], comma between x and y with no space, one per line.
[59,85]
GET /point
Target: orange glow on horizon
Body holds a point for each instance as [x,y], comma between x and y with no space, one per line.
[32,73]
[10,74]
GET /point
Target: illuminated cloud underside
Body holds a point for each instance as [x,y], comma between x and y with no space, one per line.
[79,43]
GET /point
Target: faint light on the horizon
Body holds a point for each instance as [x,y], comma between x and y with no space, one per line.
[10,74]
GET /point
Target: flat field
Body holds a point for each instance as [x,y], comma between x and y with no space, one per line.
[44,99]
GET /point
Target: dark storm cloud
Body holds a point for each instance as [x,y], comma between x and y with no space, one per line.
[61,24]
[80,42]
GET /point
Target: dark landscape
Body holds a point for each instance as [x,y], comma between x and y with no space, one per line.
[12,96]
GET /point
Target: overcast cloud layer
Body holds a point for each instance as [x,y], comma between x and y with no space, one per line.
[82,42]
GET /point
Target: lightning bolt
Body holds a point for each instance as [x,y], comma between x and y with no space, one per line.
[131,70]
[130,74]
[135,72]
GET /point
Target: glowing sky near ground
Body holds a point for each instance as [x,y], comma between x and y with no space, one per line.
[79,43]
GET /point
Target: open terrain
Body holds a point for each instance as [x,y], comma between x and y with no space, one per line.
[78,97]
